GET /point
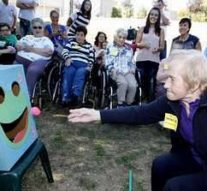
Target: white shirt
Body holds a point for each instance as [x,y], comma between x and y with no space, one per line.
[7,13]
[27,14]
[37,42]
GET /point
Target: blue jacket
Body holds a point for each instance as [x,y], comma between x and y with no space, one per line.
[155,112]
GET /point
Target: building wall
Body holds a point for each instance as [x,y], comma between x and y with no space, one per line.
[45,6]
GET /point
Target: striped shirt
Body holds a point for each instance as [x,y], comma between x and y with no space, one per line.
[79,52]
[78,20]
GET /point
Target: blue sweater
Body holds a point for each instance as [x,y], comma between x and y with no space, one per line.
[155,111]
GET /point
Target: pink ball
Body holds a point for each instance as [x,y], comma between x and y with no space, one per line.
[35,111]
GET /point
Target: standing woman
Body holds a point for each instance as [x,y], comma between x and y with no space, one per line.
[164,22]
[80,18]
[98,69]
[150,41]
[99,47]
[55,31]
[185,40]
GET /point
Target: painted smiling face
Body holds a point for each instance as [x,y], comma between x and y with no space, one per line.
[15,120]
[17,126]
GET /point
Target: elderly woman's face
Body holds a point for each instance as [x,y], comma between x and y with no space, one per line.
[120,40]
[177,88]
[37,30]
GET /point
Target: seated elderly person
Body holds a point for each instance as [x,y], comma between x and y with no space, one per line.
[7,44]
[56,32]
[119,64]
[34,52]
[79,58]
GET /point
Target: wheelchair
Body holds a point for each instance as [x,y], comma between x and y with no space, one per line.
[40,89]
[95,88]
[54,79]
[100,91]
[48,83]
[111,89]
[54,84]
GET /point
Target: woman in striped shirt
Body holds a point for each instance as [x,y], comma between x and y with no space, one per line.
[80,18]
[79,58]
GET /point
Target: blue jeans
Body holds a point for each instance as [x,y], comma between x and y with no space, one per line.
[73,80]
[177,172]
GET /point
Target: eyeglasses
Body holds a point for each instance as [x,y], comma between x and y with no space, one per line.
[37,27]
[155,15]
[4,30]
[54,17]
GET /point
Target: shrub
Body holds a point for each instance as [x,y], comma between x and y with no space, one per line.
[116,12]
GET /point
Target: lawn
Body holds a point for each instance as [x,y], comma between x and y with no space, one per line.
[94,156]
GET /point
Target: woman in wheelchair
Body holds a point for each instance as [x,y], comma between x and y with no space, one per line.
[79,58]
[34,53]
[121,68]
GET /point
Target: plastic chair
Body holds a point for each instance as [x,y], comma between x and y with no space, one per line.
[11,180]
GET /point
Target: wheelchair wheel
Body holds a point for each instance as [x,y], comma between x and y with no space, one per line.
[102,91]
[36,99]
[88,99]
[53,83]
[152,89]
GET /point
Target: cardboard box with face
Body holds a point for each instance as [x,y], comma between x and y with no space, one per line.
[17,126]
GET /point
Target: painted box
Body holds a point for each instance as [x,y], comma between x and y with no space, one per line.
[17,125]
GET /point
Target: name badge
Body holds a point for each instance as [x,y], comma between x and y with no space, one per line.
[114,51]
[170,121]
[76,47]
[166,66]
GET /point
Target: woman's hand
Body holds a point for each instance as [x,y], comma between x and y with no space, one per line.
[155,50]
[28,48]
[11,49]
[68,62]
[84,115]
[19,47]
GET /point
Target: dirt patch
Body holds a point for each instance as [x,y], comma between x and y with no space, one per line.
[93,156]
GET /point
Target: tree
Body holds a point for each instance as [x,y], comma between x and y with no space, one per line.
[195,5]
[128,10]
[142,13]
[116,12]
[197,10]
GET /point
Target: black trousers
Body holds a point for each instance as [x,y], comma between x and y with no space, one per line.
[148,72]
[177,172]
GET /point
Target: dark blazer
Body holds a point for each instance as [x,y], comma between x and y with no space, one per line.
[155,112]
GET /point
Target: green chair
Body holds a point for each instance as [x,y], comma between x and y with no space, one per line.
[11,180]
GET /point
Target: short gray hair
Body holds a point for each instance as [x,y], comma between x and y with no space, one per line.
[121,31]
[194,66]
[37,20]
